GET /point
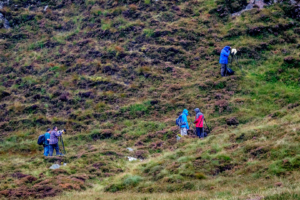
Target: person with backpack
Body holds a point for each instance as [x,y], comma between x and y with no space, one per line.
[224,60]
[46,142]
[199,118]
[184,125]
[54,135]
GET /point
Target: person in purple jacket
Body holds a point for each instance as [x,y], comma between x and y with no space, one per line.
[54,135]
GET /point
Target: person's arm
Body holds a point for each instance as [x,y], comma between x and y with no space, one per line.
[196,121]
[57,134]
[186,121]
[227,53]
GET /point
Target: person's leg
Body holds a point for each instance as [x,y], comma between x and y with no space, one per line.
[202,132]
[51,150]
[184,131]
[223,68]
[198,131]
[57,149]
[46,150]
[181,132]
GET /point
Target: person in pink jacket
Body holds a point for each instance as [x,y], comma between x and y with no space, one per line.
[199,118]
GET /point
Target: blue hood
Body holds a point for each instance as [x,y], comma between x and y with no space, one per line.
[186,112]
[224,55]
[226,48]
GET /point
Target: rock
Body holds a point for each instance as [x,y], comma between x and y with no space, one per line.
[55,166]
[129,149]
[4,21]
[131,158]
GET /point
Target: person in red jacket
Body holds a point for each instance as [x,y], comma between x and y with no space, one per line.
[199,118]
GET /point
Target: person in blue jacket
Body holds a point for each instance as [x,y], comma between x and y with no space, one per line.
[185,127]
[46,143]
[224,59]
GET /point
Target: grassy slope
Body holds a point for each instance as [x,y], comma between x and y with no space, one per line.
[115,74]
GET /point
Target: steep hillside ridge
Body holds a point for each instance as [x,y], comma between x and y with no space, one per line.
[115,74]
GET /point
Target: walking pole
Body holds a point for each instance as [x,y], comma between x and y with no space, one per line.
[194,128]
[236,59]
[62,142]
[206,125]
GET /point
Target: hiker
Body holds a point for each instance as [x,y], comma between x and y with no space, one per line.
[224,59]
[199,118]
[54,141]
[185,124]
[46,142]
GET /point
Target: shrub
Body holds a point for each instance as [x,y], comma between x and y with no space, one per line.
[148,32]
[200,175]
[132,181]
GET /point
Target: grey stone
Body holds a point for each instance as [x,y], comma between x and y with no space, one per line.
[55,166]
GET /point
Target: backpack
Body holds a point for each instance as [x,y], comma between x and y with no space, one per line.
[179,121]
[41,140]
[229,71]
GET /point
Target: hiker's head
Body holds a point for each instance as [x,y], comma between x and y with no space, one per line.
[48,129]
[55,128]
[197,110]
[186,112]
[227,48]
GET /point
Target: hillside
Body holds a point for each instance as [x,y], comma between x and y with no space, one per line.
[115,74]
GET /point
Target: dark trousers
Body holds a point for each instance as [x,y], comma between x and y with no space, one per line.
[52,147]
[223,69]
[200,132]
